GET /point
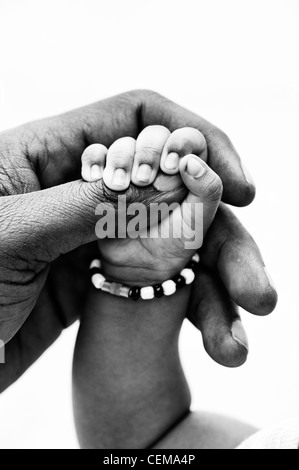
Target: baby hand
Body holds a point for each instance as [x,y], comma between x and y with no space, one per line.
[180,156]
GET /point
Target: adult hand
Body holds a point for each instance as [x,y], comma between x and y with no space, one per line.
[46,211]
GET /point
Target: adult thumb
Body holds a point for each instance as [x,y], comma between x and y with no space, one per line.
[42,225]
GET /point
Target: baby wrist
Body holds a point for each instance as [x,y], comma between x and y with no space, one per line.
[143,292]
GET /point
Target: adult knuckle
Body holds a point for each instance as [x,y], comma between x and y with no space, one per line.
[144,92]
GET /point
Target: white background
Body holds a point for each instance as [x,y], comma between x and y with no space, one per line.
[234,62]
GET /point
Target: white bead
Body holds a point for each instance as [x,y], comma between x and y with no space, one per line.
[196,258]
[98,280]
[169,287]
[147,293]
[96,263]
[188,274]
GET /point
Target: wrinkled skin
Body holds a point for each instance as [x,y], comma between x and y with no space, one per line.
[47,219]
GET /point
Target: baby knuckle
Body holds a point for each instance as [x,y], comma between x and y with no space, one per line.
[119,159]
[214,188]
[148,155]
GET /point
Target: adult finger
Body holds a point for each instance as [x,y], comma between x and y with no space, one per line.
[37,227]
[232,252]
[216,316]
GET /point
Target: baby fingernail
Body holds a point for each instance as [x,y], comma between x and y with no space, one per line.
[247,175]
[171,162]
[194,167]
[96,172]
[144,173]
[119,177]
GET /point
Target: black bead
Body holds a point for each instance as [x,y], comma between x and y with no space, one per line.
[192,265]
[179,280]
[93,271]
[134,293]
[158,290]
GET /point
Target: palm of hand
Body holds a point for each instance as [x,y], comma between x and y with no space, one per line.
[155,256]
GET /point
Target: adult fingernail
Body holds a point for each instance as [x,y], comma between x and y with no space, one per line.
[194,167]
[119,177]
[271,282]
[144,173]
[247,175]
[239,334]
[171,162]
[96,172]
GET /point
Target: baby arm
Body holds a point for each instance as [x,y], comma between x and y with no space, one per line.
[129,387]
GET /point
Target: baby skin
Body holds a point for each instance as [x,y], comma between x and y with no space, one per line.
[129,389]
[167,160]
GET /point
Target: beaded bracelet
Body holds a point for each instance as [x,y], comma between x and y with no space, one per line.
[168,287]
